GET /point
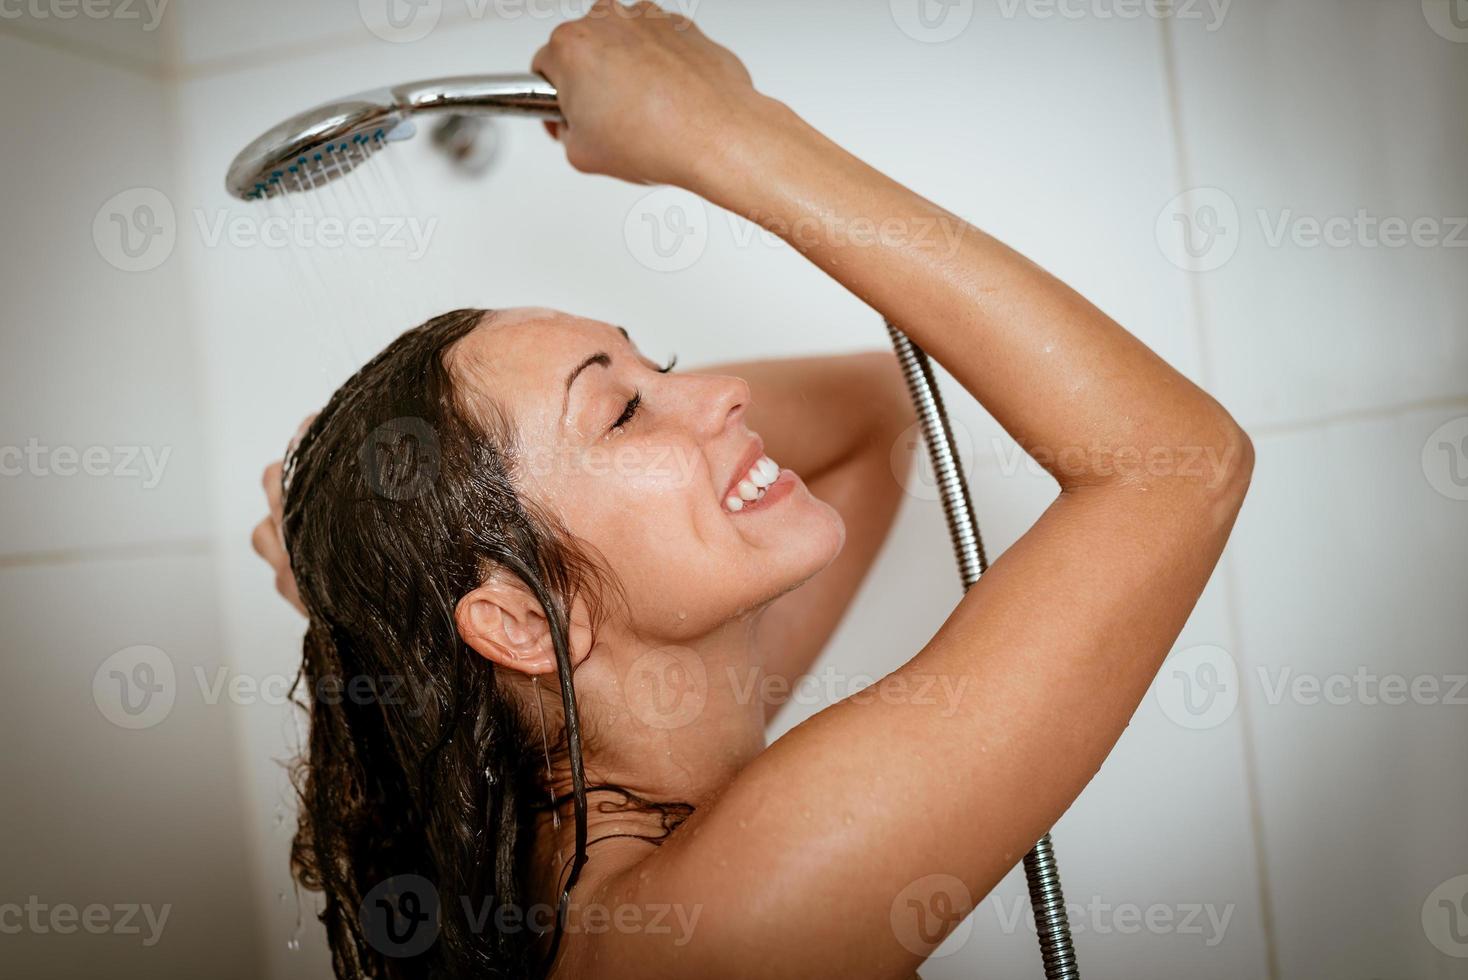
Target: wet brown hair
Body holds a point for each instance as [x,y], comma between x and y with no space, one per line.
[400,498]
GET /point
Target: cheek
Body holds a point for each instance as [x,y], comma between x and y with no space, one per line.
[642,508]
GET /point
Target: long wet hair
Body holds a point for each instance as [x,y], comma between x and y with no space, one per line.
[422,770]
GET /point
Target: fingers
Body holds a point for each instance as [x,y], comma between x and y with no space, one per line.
[552,127]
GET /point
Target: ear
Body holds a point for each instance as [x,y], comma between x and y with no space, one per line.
[502,621]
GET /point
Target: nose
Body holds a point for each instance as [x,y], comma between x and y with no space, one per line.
[723,401]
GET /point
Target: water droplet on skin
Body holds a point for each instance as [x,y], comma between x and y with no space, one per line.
[682,615]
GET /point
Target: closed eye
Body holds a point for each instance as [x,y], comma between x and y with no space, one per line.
[633,404]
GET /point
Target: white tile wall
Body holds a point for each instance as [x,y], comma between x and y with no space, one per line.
[1350,562]
[99,813]
[1317,830]
[1316,110]
[102,541]
[95,356]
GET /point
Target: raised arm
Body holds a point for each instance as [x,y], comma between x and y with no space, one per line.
[797,866]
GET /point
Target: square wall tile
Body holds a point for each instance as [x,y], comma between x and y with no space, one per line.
[101,444]
[1326,138]
[124,782]
[1351,558]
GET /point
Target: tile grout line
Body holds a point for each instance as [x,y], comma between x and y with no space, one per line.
[1183,171]
[1371,414]
[174,68]
[176,548]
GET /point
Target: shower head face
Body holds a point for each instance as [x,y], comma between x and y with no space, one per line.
[321,144]
[317,146]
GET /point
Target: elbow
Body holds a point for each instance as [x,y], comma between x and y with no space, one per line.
[1229,470]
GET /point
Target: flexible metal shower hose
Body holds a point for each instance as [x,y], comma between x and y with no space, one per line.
[1041,871]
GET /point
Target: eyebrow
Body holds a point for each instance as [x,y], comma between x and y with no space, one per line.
[601,358]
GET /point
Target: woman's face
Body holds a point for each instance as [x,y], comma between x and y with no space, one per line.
[646,467]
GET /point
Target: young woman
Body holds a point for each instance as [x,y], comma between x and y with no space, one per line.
[508,514]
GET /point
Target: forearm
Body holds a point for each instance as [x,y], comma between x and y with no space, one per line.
[1090,401]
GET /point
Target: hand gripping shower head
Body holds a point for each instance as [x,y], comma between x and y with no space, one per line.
[321,144]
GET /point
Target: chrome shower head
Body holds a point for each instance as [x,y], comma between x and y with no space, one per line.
[324,143]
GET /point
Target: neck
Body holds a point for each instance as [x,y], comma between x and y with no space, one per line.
[670,722]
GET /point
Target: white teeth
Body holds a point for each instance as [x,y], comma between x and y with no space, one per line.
[763,473]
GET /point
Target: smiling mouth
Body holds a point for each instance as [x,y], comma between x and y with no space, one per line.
[753,485]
